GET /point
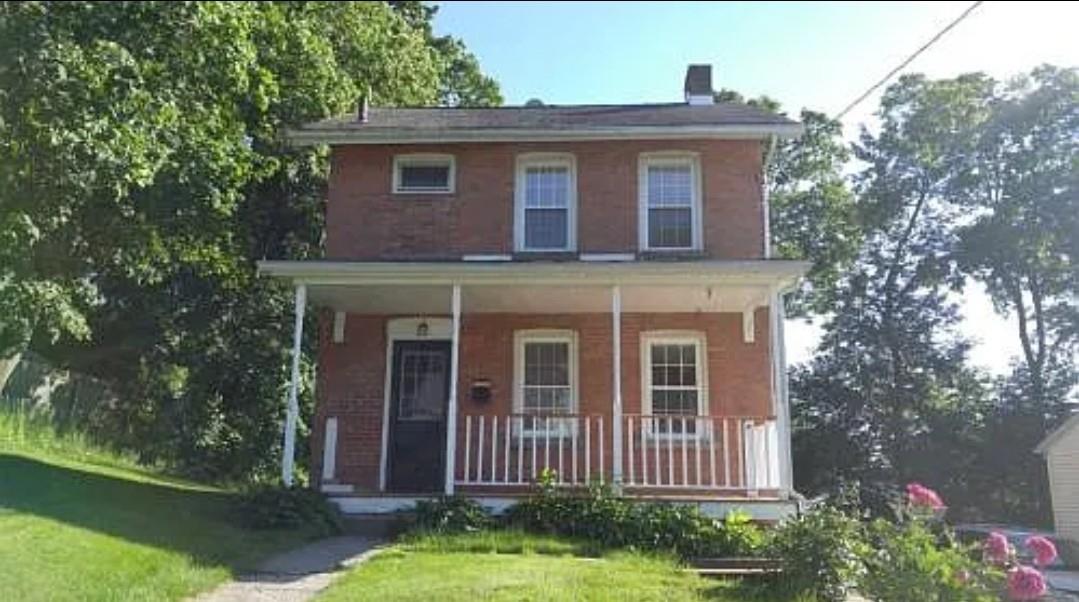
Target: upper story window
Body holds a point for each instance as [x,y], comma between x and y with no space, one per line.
[546,203]
[423,174]
[670,202]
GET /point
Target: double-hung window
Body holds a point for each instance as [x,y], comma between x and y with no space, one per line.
[674,388]
[546,203]
[670,202]
[423,174]
[546,380]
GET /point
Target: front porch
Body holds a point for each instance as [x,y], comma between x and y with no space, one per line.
[477,378]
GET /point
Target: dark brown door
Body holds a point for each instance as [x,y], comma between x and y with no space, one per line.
[418,396]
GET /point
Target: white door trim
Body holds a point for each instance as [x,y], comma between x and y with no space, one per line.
[402,329]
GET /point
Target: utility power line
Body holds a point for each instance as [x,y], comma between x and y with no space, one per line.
[940,34]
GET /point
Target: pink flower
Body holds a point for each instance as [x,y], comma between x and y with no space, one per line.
[1044,550]
[921,496]
[1025,583]
[997,548]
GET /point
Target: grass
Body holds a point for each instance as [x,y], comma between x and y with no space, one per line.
[81,523]
[510,566]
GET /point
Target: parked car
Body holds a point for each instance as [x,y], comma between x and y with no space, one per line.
[1017,536]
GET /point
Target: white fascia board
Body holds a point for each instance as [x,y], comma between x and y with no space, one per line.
[308,137]
[1057,434]
[781,274]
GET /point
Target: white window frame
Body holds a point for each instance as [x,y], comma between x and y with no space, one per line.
[400,161]
[520,339]
[525,161]
[669,158]
[675,337]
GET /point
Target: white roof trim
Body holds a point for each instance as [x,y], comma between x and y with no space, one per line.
[782,274]
[1057,434]
[360,135]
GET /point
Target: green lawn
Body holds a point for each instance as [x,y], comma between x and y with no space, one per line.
[510,567]
[80,524]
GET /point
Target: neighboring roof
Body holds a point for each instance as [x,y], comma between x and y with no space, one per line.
[1058,434]
[549,122]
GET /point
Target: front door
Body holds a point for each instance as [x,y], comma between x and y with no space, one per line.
[420,385]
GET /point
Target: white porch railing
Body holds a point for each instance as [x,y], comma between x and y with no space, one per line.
[515,449]
[658,452]
[700,452]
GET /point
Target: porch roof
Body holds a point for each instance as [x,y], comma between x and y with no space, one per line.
[540,287]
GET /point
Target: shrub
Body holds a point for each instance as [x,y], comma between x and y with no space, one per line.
[908,561]
[821,553]
[451,514]
[280,508]
[600,516]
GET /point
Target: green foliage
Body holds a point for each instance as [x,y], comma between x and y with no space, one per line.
[812,208]
[143,171]
[270,507]
[109,529]
[451,515]
[404,573]
[909,561]
[499,541]
[821,552]
[606,519]
[965,178]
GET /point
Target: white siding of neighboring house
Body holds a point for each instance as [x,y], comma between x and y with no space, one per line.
[1063,465]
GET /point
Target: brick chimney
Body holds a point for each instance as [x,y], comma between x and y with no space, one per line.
[698,87]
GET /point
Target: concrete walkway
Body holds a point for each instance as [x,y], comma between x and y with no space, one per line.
[296,575]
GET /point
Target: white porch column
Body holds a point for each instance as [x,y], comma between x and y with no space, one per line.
[451,407]
[780,395]
[616,385]
[292,410]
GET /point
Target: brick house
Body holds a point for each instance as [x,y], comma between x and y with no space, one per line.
[585,289]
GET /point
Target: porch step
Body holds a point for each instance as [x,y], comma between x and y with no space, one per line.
[383,526]
[735,567]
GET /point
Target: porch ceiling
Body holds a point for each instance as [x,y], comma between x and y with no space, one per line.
[487,298]
[539,287]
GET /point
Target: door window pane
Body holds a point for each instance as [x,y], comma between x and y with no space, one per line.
[421,385]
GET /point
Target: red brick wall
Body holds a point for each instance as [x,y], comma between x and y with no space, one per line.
[352,374]
[366,221]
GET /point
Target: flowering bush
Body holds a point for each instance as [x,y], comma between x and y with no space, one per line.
[920,496]
[997,550]
[911,561]
[1025,583]
[1044,550]
[917,559]
[821,552]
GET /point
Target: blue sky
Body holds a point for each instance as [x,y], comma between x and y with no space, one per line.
[804,54]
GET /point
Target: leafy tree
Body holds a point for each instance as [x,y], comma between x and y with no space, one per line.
[1022,186]
[965,178]
[461,82]
[143,173]
[889,386]
[811,205]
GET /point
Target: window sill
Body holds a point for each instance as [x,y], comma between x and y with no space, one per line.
[554,255]
[423,195]
[671,254]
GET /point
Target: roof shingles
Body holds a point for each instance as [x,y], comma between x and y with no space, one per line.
[552,117]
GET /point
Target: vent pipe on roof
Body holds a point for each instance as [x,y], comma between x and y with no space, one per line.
[698,85]
[362,110]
